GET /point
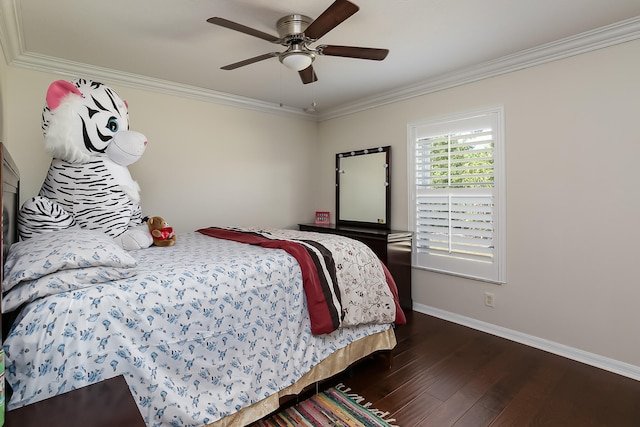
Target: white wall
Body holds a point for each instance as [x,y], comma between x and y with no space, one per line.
[573,197]
[205,164]
[572,148]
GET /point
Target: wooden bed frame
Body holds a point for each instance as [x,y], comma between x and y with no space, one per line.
[382,343]
[10,205]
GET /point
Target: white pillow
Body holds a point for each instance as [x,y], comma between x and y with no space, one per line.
[62,250]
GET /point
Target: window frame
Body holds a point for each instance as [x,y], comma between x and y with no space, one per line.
[494,271]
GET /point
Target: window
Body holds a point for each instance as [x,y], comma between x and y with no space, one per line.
[456,173]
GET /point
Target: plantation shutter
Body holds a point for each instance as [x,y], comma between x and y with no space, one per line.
[456,196]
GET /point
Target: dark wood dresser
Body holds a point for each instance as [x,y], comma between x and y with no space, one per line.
[393,247]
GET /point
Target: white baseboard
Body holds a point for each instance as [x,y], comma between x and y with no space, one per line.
[592,359]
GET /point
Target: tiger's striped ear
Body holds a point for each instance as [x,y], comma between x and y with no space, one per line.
[58,90]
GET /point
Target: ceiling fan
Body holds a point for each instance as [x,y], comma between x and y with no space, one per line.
[297,32]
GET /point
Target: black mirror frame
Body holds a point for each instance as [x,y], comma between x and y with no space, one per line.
[387,224]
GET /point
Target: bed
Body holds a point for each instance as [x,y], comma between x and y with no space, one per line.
[212,331]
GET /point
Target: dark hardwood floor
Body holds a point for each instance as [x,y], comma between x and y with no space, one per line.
[445,374]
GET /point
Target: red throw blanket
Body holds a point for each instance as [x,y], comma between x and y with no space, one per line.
[318,276]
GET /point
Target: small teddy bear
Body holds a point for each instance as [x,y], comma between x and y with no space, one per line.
[162,234]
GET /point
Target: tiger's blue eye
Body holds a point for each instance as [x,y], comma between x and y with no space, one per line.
[112,124]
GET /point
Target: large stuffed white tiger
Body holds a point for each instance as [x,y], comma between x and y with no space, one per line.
[88,185]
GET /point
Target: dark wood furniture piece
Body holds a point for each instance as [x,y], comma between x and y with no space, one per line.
[393,247]
[105,404]
[10,179]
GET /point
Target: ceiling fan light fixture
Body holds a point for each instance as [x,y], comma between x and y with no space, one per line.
[297,61]
[296,33]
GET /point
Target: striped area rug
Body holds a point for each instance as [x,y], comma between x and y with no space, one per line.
[336,406]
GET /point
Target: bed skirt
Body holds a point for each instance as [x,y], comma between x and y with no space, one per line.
[332,365]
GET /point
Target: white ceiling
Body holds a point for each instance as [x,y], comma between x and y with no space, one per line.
[168,44]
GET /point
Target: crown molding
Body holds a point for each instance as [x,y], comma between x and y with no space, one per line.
[599,38]
[72,70]
[10,34]
[16,55]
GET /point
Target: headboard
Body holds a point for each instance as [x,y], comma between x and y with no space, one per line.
[10,205]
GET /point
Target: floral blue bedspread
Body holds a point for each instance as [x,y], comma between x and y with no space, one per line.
[196,338]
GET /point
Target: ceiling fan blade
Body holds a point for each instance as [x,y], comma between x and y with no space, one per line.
[308,75]
[330,18]
[354,52]
[242,28]
[250,61]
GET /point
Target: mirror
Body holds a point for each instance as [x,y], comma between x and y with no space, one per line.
[363,190]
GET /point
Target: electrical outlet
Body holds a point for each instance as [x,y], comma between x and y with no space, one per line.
[488,299]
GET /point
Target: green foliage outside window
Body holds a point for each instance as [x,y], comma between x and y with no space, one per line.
[461,163]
